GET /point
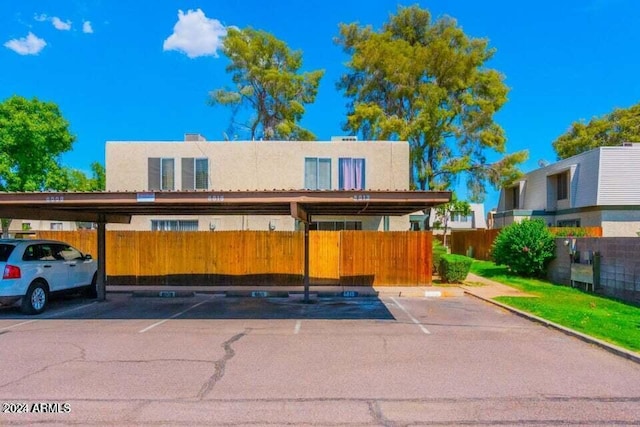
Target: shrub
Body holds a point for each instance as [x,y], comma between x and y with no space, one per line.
[526,248]
[438,249]
[454,268]
[570,232]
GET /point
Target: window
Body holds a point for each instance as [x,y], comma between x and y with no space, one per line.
[5,251]
[161,173]
[569,223]
[562,181]
[195,174]
[336,225]
[68,253]
[317,173]
[174,225]
[351,174]
[512,198]
[56,226]
[459,217]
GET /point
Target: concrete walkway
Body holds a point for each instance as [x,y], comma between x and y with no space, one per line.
[283,291]
[490,289]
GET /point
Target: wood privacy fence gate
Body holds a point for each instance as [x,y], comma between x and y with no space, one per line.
[259,258]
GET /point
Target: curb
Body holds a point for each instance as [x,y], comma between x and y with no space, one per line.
[612,348]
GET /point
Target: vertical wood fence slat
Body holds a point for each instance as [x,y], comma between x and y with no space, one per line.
[358,258]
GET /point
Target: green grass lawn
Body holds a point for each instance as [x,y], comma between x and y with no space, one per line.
[600,317]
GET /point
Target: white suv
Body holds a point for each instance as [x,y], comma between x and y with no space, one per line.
[33,269]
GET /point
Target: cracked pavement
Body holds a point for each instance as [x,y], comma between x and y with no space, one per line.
[241,362]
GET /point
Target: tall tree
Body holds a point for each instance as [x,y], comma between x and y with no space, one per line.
[267,79]
[621,125]
[33,135]
[425,82]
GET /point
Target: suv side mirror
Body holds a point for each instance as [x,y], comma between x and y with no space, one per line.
[87,257]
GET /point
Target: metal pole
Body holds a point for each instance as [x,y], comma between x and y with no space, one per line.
[306,261]
[102,260]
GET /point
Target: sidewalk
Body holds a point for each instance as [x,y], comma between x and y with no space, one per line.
[491,289]
[284,291]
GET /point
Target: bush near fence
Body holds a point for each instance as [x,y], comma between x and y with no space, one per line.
[481,240]
[355,258]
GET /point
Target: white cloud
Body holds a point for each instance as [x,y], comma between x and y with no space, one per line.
[87,28]
[60,24]
[30,45]
[196,35]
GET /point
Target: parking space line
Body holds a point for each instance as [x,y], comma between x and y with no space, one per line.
[416,321]
[18,324]
[172,317]
[51,316]
[296,329]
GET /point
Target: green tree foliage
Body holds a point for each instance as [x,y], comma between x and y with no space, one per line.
[425,82]
[76,180]
[621,125]
[526,247]
[33,135]
[267,79]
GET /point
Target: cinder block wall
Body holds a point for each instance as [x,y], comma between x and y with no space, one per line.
[619,265]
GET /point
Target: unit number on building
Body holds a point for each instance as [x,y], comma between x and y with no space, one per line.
[361,197]
[217,198]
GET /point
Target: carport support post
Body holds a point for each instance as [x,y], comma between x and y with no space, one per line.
[306,261]
[102,260]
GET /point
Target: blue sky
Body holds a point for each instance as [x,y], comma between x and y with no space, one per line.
[141,71]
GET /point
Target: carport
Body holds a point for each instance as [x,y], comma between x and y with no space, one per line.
[118,207]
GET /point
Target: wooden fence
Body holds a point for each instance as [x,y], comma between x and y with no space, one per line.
[355,258]
[480,241]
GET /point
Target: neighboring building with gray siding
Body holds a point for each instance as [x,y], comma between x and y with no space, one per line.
[600,187]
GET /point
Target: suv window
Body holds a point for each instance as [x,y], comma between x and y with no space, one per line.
[68,253]
[41,252]
[5,251]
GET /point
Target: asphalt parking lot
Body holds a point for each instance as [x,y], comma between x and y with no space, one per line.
[207,360]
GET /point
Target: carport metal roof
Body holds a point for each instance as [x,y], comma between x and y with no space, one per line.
[118,207]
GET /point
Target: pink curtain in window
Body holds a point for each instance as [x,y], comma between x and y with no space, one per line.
[352,174]
[358,169]
[347,174]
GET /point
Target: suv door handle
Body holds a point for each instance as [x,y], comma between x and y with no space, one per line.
[72,265]
[47,266]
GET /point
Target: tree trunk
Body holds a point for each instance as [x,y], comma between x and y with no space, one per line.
[6,222]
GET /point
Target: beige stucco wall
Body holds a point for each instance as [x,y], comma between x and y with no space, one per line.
[263,165]
[620,223]
[258,165]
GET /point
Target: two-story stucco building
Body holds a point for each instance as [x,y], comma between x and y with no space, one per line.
[600,187]
[200,165]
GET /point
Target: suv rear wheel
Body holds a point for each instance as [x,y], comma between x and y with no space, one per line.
[36,298]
